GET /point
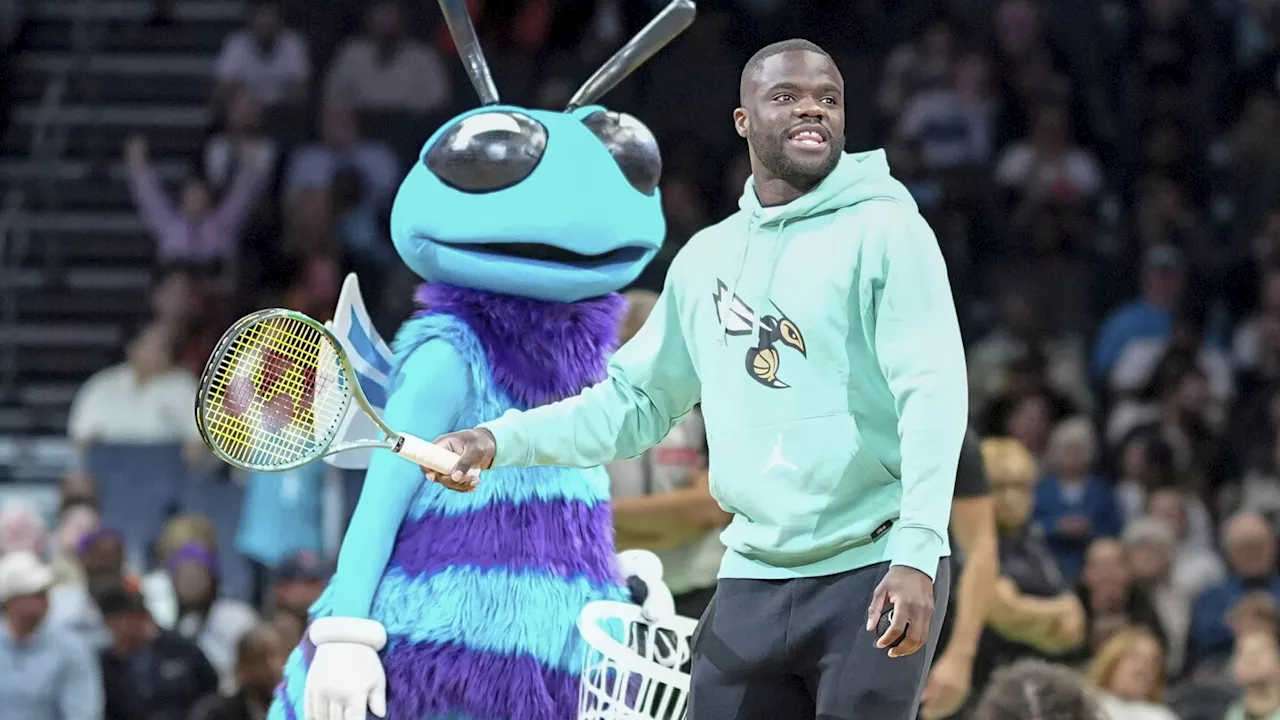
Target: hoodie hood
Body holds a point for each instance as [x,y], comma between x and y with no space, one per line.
[856,178]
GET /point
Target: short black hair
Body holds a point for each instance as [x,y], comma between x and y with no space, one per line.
[120,600]
[753,65]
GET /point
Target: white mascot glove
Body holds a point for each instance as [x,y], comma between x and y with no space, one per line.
[346,674]
[659,603]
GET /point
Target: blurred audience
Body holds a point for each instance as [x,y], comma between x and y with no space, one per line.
[266,58]
[1129,672]
[48,672]
[385,69]
[149,674]
[1073,506]
[260,657]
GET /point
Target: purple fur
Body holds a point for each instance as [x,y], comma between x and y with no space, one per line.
[308,649]
[429,680]
[566,538]
[282,699]
[568,353]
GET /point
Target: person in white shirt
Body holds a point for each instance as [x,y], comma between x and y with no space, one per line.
[385,70]
[144,400]
[662,500]
[266,59]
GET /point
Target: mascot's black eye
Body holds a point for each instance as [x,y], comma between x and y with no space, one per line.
[632,146]
[488,151]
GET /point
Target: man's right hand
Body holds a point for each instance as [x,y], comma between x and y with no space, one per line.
[474,448]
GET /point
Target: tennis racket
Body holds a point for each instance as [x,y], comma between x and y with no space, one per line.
[274,393]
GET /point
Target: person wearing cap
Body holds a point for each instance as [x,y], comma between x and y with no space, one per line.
[46,673]
[1148,317]
[213,622]
[298,582]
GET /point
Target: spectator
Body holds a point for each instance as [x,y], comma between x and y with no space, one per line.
[76,519]
[149,674]
[1195,566]
[158,394]
[22,529]
[1033,613]
[661,500]
[1072,505]
[1149,317]
[267,59]
[1022,335]
[185,299]
[1250,547]
[1049,167]
[259,669]
[239,144]
[214,623]
[1149,549]
[1259,490]
[1113,602]
[48,673]
[340,147]
[178,532]
[386,70]
[953,123]
[1256,349]
[925,63]
[1036,690]
[281,517]
[102,554]
[298,582]
[1256,668]
[200,229]
[1129,670]
[291,625]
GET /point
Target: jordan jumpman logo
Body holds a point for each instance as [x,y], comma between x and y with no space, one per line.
[776,459]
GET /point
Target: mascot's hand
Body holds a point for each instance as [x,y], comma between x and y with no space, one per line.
[654,597]
[346,675]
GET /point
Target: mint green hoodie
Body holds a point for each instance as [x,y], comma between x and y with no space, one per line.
[821,339]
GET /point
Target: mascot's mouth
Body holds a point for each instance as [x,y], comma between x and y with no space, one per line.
[551,253]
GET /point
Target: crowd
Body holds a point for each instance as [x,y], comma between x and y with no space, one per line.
[1102,178]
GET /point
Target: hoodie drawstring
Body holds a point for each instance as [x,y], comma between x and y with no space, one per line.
[726,309]
[728,300]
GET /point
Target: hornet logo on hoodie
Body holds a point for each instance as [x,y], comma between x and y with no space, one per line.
[763,359]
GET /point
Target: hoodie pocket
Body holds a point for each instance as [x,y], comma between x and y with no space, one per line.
[801,490]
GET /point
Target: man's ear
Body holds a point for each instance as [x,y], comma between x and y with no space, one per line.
[740,122]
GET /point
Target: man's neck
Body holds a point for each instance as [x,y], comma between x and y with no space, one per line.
[772,192]
[1262,699]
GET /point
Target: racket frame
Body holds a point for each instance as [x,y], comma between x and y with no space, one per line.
[393,441]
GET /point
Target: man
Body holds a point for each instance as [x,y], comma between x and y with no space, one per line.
[662,499]
[973,526]
[1250,547]
[148,673]
[46,673]
[1037,690]
[386,69]
[1147,317]
[267,59]
[817,330]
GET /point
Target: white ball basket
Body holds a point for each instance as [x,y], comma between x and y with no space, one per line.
[633,665]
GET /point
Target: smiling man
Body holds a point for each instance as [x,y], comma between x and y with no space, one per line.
[816,327]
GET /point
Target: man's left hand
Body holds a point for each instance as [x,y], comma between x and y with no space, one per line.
[910,594]
[947,688]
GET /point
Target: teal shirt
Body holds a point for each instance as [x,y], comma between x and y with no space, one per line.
[821,339]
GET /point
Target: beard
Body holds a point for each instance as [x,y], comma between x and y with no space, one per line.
[771,150]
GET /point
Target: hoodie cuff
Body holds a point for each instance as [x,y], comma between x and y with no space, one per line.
[916,547]
[511,443]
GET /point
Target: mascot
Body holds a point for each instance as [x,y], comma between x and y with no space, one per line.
[524,225]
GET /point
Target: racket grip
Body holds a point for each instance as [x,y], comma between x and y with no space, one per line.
[428,455]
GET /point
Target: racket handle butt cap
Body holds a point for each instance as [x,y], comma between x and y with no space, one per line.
[428,455]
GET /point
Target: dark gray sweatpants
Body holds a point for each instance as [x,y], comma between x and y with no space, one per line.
[800,650]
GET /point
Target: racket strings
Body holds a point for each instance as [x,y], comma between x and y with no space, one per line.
[277,394]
